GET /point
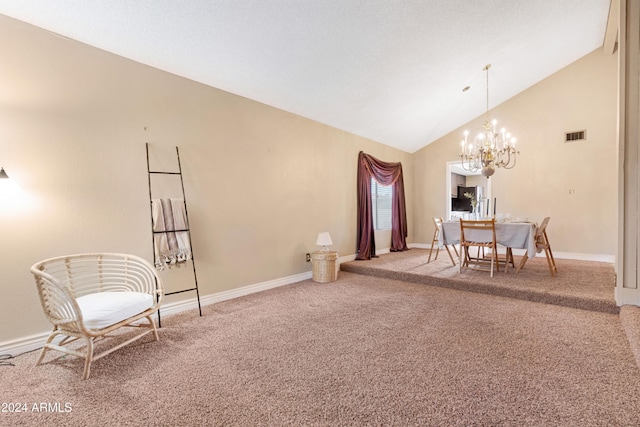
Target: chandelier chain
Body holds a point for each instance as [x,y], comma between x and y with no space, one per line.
[486,68]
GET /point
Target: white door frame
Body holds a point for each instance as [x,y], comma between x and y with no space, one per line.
[454,166]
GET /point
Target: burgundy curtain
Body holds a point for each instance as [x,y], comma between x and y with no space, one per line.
[384,173]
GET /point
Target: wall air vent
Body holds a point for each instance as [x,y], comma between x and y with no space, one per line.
[580,135]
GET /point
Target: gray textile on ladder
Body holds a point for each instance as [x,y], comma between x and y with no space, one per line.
[171,238]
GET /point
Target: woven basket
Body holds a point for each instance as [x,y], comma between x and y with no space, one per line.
[325,266]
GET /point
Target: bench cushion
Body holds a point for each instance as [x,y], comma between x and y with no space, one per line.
[104,309]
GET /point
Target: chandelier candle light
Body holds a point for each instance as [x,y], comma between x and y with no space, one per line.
[490,148]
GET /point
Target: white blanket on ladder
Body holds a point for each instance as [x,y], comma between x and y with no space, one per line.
[170,238]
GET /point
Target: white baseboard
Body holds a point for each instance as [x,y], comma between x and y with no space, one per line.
[34,342]
[177,307]
[419,245]
[24,344]
[585,257]
[346,258]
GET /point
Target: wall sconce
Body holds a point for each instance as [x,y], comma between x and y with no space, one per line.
[8,187]
[324,240]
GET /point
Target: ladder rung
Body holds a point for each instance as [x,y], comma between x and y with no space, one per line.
[179,292]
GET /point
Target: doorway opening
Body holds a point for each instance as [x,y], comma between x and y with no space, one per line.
[459,181]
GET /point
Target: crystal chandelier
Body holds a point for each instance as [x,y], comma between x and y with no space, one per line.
[490,148]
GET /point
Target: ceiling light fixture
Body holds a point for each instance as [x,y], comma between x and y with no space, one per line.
[490,148]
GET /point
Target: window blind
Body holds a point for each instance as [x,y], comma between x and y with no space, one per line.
[381,205]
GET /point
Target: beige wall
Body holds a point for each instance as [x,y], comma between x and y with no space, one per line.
[260,182]
[581,96]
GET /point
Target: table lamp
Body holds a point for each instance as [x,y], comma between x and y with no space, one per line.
[324,240]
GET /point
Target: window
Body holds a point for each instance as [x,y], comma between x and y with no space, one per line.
[381,205]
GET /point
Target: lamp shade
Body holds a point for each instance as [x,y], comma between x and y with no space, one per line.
[324,239]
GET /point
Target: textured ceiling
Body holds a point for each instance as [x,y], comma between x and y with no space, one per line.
[389,70]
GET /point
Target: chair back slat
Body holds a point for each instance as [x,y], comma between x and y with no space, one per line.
[84,275]
[473,225]
[58,302]
[543,226]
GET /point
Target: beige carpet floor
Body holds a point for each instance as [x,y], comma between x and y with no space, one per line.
[359,351]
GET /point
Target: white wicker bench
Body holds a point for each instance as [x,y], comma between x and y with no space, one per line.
[87,296]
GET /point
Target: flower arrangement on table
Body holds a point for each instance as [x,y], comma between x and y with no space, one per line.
[473,200]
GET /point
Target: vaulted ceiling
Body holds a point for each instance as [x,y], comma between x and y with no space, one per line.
[389,70]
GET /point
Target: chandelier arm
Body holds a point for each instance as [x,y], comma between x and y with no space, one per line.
[502,163]
[515,156]
[508,164]
[466,167]
[470,162]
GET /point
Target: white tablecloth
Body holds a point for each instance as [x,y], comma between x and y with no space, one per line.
[516,235]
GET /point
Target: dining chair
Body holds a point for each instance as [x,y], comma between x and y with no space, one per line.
[437,239]
[542,244]
[482,235]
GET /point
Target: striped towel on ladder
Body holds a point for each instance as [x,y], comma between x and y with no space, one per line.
[170,238]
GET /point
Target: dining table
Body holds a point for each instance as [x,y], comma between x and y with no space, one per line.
[513,234]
